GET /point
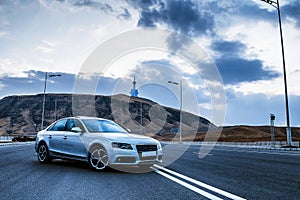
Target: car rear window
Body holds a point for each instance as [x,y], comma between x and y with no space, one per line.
[58,126]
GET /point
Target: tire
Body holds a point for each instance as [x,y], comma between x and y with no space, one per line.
[43,153]
[98,158]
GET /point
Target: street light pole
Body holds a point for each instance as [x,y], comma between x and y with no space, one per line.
[44,98]
[141,122]
[180,124]
[275,4]
[180,120]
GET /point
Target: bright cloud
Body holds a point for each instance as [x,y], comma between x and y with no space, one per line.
[241,37]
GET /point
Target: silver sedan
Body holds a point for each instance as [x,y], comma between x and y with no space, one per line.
[98,141]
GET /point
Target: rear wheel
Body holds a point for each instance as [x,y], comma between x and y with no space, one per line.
[43,153]
[98,158]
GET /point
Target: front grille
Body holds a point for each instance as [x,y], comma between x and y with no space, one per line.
[143,148]
[147,158]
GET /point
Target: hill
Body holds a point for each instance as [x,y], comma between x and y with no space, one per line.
[23,114]
[243,133]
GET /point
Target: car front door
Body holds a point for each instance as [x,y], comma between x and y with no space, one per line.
[72,143]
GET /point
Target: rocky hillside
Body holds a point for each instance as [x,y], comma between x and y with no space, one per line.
[243,133]
[22,114]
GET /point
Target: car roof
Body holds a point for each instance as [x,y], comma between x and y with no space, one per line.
[83,117]
[87,117]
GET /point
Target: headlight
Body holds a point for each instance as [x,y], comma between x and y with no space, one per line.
[121,145]
[159,146]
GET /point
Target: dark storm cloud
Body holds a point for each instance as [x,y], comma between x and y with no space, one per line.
[149,18]
[229,48]
[186,17]
[235,69]
[292,10]
[253,12]
[182,16]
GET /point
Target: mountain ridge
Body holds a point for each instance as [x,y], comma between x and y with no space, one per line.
[21,114]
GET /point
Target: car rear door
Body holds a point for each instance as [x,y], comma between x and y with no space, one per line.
[55,135]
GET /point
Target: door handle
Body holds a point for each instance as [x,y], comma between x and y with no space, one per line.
[65,137]
[50,136]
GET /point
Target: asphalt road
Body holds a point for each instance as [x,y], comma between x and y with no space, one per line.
[225,173]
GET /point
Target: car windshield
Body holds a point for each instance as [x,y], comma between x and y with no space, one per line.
[103,126]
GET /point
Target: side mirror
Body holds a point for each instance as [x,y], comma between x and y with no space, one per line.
[129,131]
[76,130]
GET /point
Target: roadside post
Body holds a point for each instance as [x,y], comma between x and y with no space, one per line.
[272,121]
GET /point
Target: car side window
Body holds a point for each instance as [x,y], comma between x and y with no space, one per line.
[59,126]
[70,124]
[73,123]
[51,128]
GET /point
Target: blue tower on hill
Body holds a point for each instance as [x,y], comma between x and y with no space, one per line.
[134,92]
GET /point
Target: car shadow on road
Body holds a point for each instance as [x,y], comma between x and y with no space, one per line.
[68,165]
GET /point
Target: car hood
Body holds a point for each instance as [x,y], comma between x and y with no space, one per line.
[127,138]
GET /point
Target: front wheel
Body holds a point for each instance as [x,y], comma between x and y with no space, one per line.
[43,154]
[98,158]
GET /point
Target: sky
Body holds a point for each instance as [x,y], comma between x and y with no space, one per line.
[240,39]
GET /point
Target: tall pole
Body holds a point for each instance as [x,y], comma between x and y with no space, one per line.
[44,99]
[55,108]
[180,123]
[180,115]
[288,128]
[141,122]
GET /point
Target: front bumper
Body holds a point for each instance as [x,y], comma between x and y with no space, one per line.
[135,157]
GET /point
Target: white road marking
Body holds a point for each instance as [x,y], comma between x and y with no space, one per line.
[201,184]
[197,153]
[261,151]
[15,143]
[189,186]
